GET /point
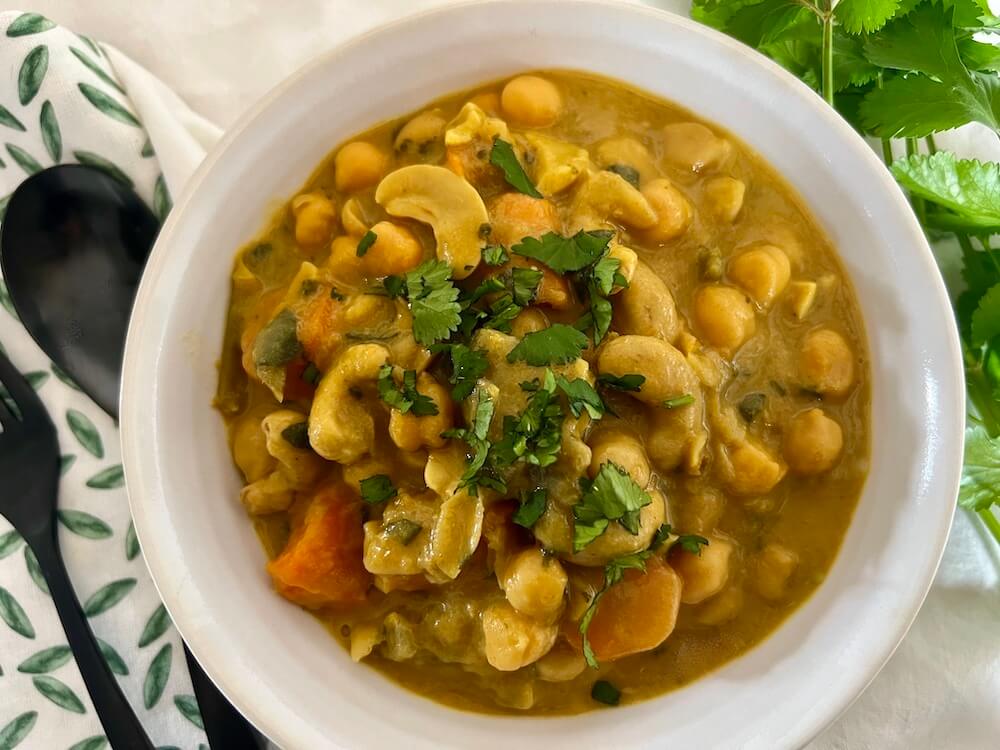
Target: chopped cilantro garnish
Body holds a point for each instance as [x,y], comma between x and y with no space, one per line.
[495,255]
[534,436]
[467,366]
[405,398]
[581,396]
[394,286]
[677,402]
[502,155]
[629,382]
[334,294]
[297,435]
[565,254]
[532,507]
[433,299]
[691,543]
[377,489]
[612,496]
[366,242]
[477,472]
[524,285]
[606,693]
[557,344]
[627,173]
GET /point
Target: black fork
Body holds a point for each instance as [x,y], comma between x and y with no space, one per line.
[29,483]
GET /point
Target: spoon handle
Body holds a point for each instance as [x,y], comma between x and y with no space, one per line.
[121,726]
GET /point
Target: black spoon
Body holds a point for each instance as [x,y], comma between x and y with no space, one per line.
[73,246]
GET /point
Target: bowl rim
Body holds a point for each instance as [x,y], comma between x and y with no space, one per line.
[169,579]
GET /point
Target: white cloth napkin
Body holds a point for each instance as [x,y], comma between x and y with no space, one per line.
[942,687]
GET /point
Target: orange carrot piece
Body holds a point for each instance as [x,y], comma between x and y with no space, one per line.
[322,562]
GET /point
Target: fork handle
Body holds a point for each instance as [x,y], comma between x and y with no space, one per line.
[121,726]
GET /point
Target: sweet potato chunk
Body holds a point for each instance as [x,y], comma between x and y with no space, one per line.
[637,614]
[322,562]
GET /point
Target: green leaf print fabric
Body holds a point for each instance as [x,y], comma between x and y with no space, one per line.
[61,101]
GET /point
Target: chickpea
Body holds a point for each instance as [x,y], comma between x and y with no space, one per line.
[529,320]
[395,250]
[813,442]
[358,165]
[752,470]
[775,565]
[622,448]
[762,271]
[514,216]
[704,574]
[534,584]
[488,101]
[673,212]
[724,197]
[724,315]
[722,607]
[531,101]
[561,664]
[826,363]
[693,147]
[512,640]
[410,432]
[701,511]
[315,216]
[344,262]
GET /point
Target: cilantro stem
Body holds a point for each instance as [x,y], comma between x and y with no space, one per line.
[886,142]
[981,392]
[990,521]
[919,204]
[827,21]
[931,144]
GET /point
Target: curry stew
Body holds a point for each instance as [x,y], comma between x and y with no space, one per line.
[547,396]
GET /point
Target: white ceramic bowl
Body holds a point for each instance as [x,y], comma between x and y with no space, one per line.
[275,662]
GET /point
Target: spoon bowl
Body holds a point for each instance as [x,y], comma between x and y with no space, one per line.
[74,244]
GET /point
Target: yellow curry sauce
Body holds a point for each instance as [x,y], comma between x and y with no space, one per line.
[451,272]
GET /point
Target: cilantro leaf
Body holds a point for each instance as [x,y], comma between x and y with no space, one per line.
[297,435]
[495,255]
[967,188]
[377,489]
[611,495]
[691,543]
[532,508]
[433,301]
[394,286]
[366,242]
[581,396]
[405,398]
[628,173]
[606,693]
[857,16]
[945,96]
[986,318]
[629,382]
[557,344]
[467,366]
[980,486]
[565,254]
[524,285]
[502,155]
[475,435]
[753,23]
[535,435]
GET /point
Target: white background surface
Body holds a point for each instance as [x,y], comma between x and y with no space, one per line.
[940,690]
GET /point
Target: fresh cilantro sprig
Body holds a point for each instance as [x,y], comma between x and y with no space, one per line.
[405,398]
[502,155]
[535,435]
[477,473]
[912,68]
[611,496]
[565,254]
[557,344]
[433,299]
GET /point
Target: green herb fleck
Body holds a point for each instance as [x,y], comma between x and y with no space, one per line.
[366,242]
[377,489]
[502,155]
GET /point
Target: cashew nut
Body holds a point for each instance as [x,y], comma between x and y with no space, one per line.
[605,197]
[439,197]
[341,427]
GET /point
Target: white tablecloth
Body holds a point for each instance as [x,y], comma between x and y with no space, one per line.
[942,687]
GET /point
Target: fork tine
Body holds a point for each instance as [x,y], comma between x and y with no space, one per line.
[21,392]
